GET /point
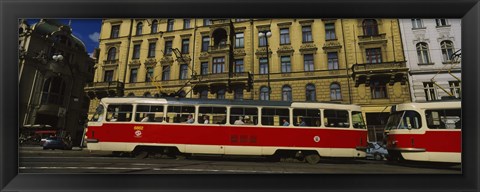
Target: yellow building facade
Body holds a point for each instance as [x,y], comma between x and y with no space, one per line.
[356,61]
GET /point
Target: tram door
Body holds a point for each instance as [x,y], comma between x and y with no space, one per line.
[375,125]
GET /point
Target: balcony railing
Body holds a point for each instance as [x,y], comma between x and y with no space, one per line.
[380,38]
[358,68]
[218,48]
[110,62]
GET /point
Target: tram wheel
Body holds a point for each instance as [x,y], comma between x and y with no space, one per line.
[312,158]
[378,157]
[141,155]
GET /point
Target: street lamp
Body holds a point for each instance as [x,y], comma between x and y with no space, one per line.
[57,57]
[266,35]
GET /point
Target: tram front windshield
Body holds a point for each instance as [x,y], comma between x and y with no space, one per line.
[98,114]
[404,120]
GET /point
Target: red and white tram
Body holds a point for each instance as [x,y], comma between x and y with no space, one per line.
[428,131]
[144,126]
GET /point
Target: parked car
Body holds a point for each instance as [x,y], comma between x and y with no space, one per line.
[57,143]
[376,151]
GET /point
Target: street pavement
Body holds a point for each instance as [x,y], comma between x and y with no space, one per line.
[35,160]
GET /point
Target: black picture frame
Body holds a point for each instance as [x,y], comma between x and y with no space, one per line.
[11,11]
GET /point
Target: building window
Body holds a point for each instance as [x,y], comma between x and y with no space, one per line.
[204,69]
[417,23]
[310,93]
[186,23]
[207,22]
[335,92]
[112,54]
[238,65]
[136,51]
[422,53]
[286,65]
[183,71]
[218,65]
[168,47]
[308,62]
[108,77]
[374,55]
[430,91]
[378,88]
[286,93]
[170,24]
[370,27]
[332,60]
[239,40]
[154,26]
[139,28]
[307,34]
[447,50]
[221,94]
[262,41]
[115,31]
[204,94]
[264,94]
[185,45]
[133,75]
[53,91]
[441,22]
[330,31]
[455,88]
[263,65]
[284,36]
[149,75]
[165,73]
[151,49]
[205,43]
[238,93]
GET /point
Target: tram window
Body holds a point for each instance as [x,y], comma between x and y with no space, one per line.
[215,115]
[444,118]
[179,114]
[274,116]
[98,116]
[249,115]
[149,113]
[336,118]
[410,120]
[357,120]
[310,117]
[121,113]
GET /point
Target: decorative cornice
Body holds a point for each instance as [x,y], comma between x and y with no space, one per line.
[285,49]
[306,22]
[239,52]
[204,55]
[310,47]
[285,24]
[166,60]
[134,62]
[332,45]
[167,38]
[150,62]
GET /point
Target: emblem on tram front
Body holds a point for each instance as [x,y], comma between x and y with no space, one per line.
[316,139]
[138,131]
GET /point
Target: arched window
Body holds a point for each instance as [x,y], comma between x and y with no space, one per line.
[370,27]
[286,93]
[154,26]
[335,92]
[447,50]
[204,94]
[53,91]
[422,52]
[310,93]
[112,54]
[147,94]
[139,28]
[264,94]
[221,94]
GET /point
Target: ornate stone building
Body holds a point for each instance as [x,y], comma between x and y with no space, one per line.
[429,47]
[357,61]
[54,67]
